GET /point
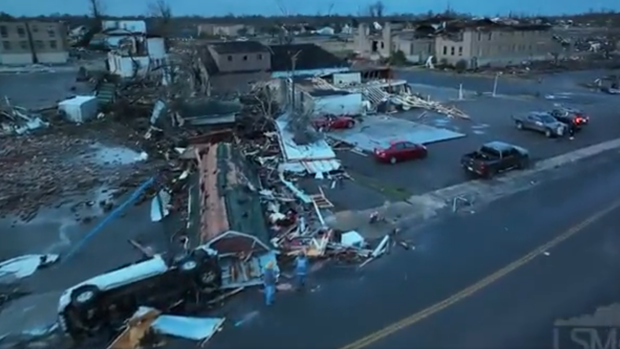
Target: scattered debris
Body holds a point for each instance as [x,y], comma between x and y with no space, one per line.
[24,266]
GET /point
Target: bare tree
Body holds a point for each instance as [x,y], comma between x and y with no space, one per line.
[376,10]
[330,8]
[96,8]
[267,98]
[161,10]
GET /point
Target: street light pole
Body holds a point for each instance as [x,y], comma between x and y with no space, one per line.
[495,83]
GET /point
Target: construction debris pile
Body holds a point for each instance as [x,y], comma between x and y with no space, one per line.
[67,162]
[393,95]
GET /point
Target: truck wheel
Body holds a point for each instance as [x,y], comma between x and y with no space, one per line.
[209,279]
[548,133]
[491,173]
[520,125]
[84,295]
[392,161]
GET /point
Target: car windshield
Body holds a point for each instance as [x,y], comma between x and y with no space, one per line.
[546,118]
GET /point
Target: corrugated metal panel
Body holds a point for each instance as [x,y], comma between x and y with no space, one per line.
[321,166]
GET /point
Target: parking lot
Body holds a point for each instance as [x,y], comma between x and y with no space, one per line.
[491,120]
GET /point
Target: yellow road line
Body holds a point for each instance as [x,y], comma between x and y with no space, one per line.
[416,317]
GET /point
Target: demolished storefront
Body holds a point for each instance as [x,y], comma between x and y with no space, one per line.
[231,217]
[316,158]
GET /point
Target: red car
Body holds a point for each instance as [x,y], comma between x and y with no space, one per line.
[401,151]
[334,122]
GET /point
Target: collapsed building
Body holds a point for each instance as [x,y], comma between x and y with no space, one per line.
[471,43]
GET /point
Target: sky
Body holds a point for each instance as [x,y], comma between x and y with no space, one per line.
[272,7]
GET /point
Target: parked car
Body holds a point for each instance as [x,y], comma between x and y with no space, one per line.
[541,122]
[570,116]
[400,151]
[495,157]
[107,300]
[334,122]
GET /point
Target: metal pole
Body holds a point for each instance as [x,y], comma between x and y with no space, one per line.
[495,84]
[293,66]
[293,61]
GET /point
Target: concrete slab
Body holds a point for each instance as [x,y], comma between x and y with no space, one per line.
[379,131]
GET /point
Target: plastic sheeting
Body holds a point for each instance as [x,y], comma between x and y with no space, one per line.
[24,266]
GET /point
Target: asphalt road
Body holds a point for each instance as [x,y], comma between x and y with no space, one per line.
[519,311]
[451,255]
[490,120]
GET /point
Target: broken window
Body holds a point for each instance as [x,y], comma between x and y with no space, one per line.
[460,50]
[230,58]
[445,50]
[382,44]
[23,45]
[259,56]
[3,31]
[245,58]
[53,44]
[452,51]
[21,32]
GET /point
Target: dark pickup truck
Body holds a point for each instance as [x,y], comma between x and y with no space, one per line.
[493,158]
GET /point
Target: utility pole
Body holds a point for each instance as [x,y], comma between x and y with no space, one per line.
[293,66]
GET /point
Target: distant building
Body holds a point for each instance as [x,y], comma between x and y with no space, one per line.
[240,56]
[29,42]
[487,43]
[113,32]
[230,30]
[137,56]
[233,65]
[474,43]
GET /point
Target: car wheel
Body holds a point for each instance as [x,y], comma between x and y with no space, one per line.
[392,161]
[84,295]
[188,265]
[520,125]
[548,133]
[350,124]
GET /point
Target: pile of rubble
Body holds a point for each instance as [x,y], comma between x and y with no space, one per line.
[61,163]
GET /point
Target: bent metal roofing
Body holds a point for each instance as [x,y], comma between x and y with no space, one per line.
[226,200]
